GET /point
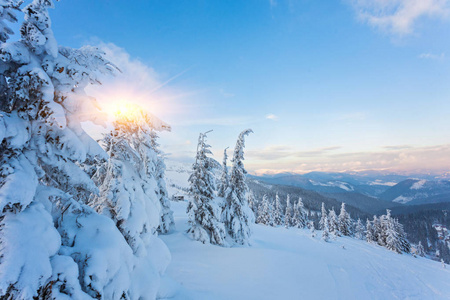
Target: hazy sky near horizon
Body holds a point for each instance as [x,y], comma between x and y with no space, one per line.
[325,85]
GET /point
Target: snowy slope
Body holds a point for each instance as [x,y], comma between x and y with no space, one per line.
[290,264]
[177,175]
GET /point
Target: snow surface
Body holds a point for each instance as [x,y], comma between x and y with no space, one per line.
[177,175]
[290,264]
[380,182]
[418,185]
[402,199]
[342,185]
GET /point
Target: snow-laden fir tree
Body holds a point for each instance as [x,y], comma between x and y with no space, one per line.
[204,213]
[387,232]
[345,222]
[294,218]
[132,191]
[252,203]
[311,228]
[288,213]
[370,234]
[167,223]
[224,179]
[277,212]
[359,230]
[8,10]
[300,216]
[125,196]
[381,227]
[325,232]
[405,246]
[333,223]
[420,250]
[393,242]
[53,246]
[265,214]
[237,215]
[377,230]
[323,218]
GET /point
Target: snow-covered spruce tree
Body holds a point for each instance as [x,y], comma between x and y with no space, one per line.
[52,245]
[376,229]
[420,250]
[333,223]
[167,223]
[325,232]
[203,211]
[311,228]
[359,230]
[237,215]
[345,222]
[405,246]
[132,191]
[323,218]
[252,202]
[277,212]
[393,242]
[381,227]
[301,218]
[265,214]
[294,218]
[288,213]
[8,14]
[224,179]
[370,235]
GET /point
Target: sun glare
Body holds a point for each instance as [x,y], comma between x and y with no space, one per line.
[126,111]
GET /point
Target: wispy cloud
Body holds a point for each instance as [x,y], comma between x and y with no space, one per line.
[281,152]
[432,56]
[403,158]
[140,84]
[398,147]
[398,17]
[272,117]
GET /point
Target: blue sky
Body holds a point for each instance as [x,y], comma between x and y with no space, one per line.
[325,85]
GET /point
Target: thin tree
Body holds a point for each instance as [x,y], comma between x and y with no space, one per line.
[359,230]
[288,213]
[224,180]
[277,212]
[325,232]
[323,218]
[237,215]
[203,212]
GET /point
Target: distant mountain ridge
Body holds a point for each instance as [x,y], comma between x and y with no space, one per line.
[415,191]
[336,182]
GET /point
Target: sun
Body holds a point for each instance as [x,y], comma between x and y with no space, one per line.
[124,111]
